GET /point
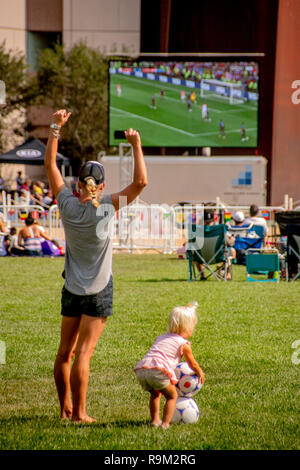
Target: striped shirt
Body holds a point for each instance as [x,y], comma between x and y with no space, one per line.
[32,243]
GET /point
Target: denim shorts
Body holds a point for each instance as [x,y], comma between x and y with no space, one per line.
[95,305]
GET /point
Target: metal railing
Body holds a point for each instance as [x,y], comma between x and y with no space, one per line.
[142,227]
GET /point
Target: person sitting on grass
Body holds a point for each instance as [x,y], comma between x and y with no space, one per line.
[156,371]
[256,219]
[209,220]
[238,222]
[11,244]
[3,229]
[30,237]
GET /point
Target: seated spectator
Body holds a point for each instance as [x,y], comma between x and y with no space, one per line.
[30,237]
[255,219]
[2,238]
[233,236]
[239,220]
[26,185]
[19,181]
[11,244]
[2,225]
[48,199]
[25,197]
[1,183]
[37,192]
[209,219]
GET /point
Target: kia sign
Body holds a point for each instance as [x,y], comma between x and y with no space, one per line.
[28,153]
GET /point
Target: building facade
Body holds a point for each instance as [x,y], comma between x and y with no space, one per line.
[30,25]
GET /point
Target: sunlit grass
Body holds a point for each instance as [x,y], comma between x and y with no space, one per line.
[242,341]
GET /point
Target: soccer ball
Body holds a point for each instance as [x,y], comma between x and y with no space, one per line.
[187,384]
[186,411]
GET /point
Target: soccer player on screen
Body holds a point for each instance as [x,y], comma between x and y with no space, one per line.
[207,115]
[153,101]
[193,97]
[119,90]
[182,96]
[243,133]
[222,129]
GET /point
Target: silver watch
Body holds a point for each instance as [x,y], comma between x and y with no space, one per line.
[55,126]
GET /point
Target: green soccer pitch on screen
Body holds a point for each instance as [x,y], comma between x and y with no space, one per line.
[184,103]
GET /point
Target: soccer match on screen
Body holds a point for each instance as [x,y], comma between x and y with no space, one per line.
[186,104]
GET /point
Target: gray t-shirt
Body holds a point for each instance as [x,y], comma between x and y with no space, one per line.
[88,232]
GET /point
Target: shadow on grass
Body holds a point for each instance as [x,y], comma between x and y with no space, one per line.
[163,279]
[50,421]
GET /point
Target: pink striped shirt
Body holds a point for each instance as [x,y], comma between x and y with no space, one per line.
[164,355]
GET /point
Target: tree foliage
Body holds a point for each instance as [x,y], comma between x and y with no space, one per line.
[77,80]
[20,91]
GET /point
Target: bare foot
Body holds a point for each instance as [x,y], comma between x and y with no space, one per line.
[66,414]
[165,426]
[156,423]
[84,419]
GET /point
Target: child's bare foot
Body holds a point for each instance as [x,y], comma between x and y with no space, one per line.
[164,426]
[156,423]
[83,419]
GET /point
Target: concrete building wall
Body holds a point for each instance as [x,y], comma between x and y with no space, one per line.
[109,25]
[44,15]
[285,176]
[13,24]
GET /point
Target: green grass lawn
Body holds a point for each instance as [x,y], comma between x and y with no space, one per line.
[171,124]
[242,341]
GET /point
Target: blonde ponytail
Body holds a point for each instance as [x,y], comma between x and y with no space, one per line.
[91,189]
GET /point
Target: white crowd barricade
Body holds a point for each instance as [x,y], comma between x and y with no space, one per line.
[14,215]
[55,226]
[141,227]
[183,216]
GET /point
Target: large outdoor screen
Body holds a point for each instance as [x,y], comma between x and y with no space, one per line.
[185,103]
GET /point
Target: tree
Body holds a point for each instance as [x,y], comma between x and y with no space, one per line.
[77,80]
[20,90]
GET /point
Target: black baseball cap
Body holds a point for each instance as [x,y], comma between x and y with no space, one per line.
[209,214]
[93,170]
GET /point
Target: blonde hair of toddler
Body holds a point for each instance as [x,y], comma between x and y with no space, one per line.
[183,318]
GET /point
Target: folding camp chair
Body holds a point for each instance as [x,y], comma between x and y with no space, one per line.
[248,237]
[262,262]
[212,252]
[289,226]
[293,251]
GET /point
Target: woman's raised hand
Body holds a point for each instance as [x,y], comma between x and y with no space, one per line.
[133,137]
[60,117]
